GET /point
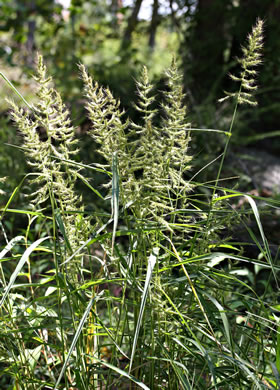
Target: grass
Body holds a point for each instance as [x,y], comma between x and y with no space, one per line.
[155,294]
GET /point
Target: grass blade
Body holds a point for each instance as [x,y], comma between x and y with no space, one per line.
[151,264]
[276,374]
[60,224]
[16,190]
[258,220]
[20,265]
[16,91]
[123,373]
[223,317]
[75,339]
[86,182]
[115,196]
[278,350]
[10,245]
[7,249]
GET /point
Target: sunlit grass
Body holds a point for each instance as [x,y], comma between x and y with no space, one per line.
[160,296]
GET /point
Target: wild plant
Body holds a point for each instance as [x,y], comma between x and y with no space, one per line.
[247,79]
[152,162]
[48,140]
[164,301]
[151,159]
[252,54]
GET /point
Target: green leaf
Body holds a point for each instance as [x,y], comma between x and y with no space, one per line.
[151,264]
[10,245]
[224,318]
[258,220]
[75,339]
[115,196]
[21,263]
[60,224]
[123,373]
[31,356]
[16,91]
[86,182]
[278,350]
[276,371]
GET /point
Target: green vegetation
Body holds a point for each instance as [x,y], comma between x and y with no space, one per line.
[155,294]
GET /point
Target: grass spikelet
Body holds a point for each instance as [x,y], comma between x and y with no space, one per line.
[252,54]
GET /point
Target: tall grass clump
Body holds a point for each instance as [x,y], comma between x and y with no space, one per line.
[155,294]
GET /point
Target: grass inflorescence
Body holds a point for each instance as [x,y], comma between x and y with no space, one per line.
[155,295]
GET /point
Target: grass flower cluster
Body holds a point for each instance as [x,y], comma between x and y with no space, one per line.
[252,54]
[48,140]
[151,159]
[154,297]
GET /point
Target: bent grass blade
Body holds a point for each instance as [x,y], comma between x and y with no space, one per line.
[21,263]
[7,249]
[123,373]
[253,205]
